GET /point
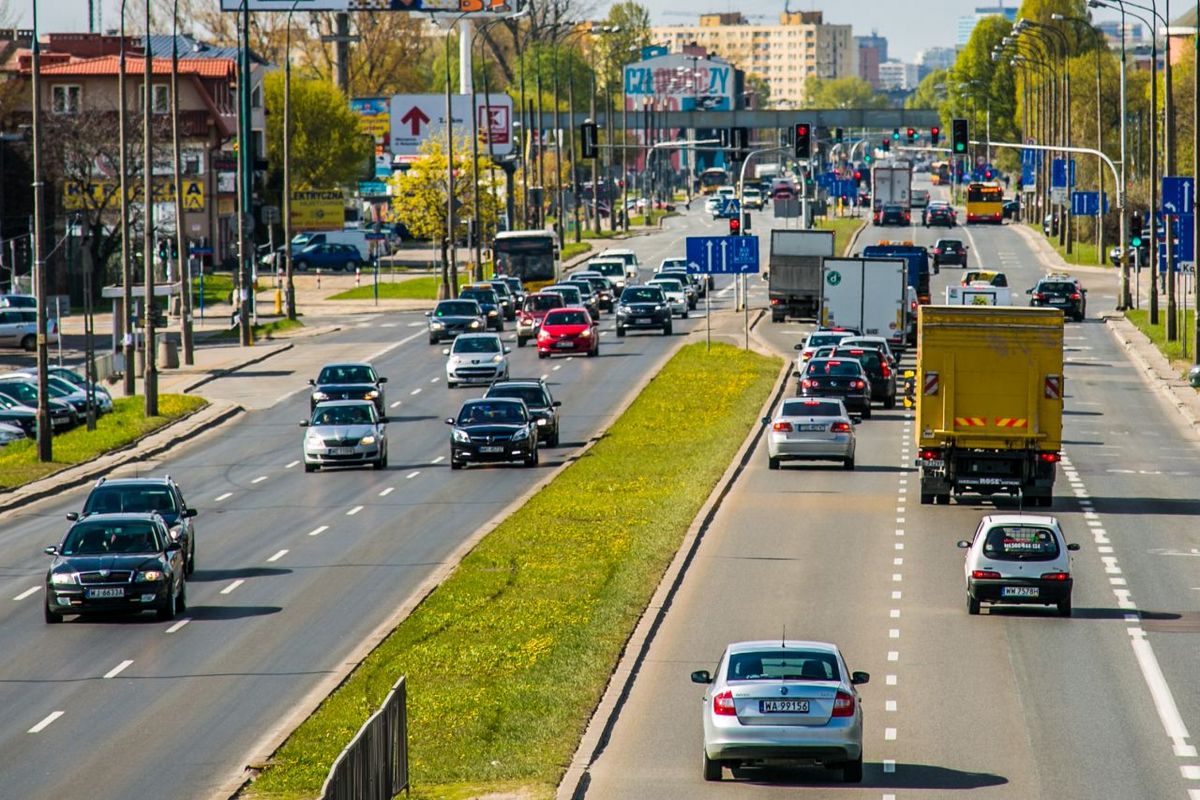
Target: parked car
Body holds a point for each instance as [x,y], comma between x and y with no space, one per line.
[344,433]
[24,392]
[18,328]
[161,496]
[328,255]
[493,430]
[1020,559]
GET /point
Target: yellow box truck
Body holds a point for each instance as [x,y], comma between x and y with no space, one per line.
[989,401]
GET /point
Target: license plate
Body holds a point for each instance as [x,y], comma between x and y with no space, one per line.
[810,427]
[114,592]
[934,463]
[341,451]
[1019,591]
[642,321]
[783,706]
[491,449]
[564,345]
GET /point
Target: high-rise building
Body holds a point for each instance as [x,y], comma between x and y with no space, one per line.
[966,25]
[896,75]
[933,59]
[872,51]
[785,55]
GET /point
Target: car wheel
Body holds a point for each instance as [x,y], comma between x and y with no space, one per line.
[867,412]
[532,459]
[451,384]
[456,464]
[300,265]
[1064,607]
[191,562]
[52,617]
[667,329]
[712,769]
[972,605]
[169,609]
[181,603]
[543,355]
[890,402]
[620,331]
[521,341]
[29,343]
[553,440]
[772,462]
[852,771]
[351,266]
[926,499]
[848,463]
[595,351]
[433,340]
[942,499]
[310,467]
[379,463]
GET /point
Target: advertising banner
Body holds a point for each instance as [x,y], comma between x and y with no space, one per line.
[318,210]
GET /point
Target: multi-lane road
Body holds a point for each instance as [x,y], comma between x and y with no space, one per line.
[1016,703]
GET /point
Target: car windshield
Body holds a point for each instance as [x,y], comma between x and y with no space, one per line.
[1020,543]
[811,408]
[99,538]
[501,288]
[514,284]
[456,308]
[1057,287]
[543,302]
[570,294]
[346,373]
[673,262]
[835,367]
[798,665]
[131,499]
[491,414]
[641,295]
[669,284]
[343,415]
[481,295]
[607,267]
[584,287]
[820,339]
[476,344]
[566,318]
[21,391]
[533,396]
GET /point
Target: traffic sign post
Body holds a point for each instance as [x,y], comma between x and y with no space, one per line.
[722,255]
[1178,195]
[1088,204]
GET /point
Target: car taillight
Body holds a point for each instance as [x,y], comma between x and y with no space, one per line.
[723,704]
[782,426]
[806,356]
[937,251]
[930,455]
[806,383]
[840,427]
[1039,296]
[907,217]
[775,301]
[1075,296]
[843,705]
[887,371]
[985,574]
[913,307]
[1050,458]
[1056,576]
[857,384]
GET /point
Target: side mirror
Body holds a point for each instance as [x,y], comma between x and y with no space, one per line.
[798,347]
[173,547]
[190,512]
[72,515]
[1029,291]
[557,403]
[449,420]
[856,419]
[429,313]
[382,380]
[766,420]
[508,350]
[52,550]
[445,351]
[795,373]
[312,382]
[701,676]
[303,423]
[1073,547]
[963,544]
[859,678]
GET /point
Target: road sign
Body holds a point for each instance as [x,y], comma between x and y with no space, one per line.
[1185,244]
[1178,194]
[786,208]
[1029,177]
[730,208]
[1087,204]
[1058,195]
[416,117]
[1062,175]
[722,254]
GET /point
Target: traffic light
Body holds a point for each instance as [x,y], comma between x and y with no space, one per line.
[803,140]
[735,226]
[162,249]
[858,176]
[960,136]
[887,145]
[745,220]
[1135,230]
[896,134]
[739,141]
[912,134]
[588,137]
[837,135]
[868,158]
[935,135]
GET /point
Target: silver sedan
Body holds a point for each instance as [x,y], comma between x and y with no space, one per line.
[782,701]
[344,433]
[811,428]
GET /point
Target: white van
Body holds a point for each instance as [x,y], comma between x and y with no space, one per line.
[356,238]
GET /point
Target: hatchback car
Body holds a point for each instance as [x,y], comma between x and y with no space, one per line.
[161,496]
[21,390]
[878,369]
[488,301]
[515,287]
[452,317]
[1060,291]
[566,331]
[677,297]
[491,430]
[843,378]
[810,429]
[941,214]
[892,214]
[815,340]
[949,251]
[476,358]
[602,288]
[542,406]
[354,380]
[533,310]
[344,433]
[336,257]
[18,328]
[1020,559]
[643,308]
[782,701]
[114,563]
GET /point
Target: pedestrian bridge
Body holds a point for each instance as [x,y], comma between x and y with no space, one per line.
[851,119]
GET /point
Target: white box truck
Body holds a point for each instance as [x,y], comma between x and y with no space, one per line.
[891,185]
[794,272]
[867,294]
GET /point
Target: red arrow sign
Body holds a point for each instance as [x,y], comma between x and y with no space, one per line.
[415,116]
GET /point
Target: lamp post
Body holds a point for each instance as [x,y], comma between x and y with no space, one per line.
[290,289]
[126,254]
[150,381]
[182,259]
[45,435]
[1053,34]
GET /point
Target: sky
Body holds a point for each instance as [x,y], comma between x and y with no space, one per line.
[909,25]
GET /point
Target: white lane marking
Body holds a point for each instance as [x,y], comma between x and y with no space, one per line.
[277,556]
[889,797]
[259,479]
[232,586]
[179,625]
[41,726]
[396,404]
[896,595]
[1124,599]
[435,380]
[118,669]
[416,324]
[291,464]
[438,460]
[889,734]
[899,545]
[27,592]
[1110,565]
[904,489]
[899,561]
[897,577]
[894,613]
[1104,549]
[890,680]
[889,764]
[393,324]
[1164,701]
[387,491]
[415,391]
[545,375]
[318,531]
[412,474]
[893,655]
[1117,581]
[221,497]
[889,705]
[354,511]
[1189,771]
[899,520]
[557,367]
[893,633]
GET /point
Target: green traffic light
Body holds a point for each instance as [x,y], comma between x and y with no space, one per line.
[1136,241]
[958,148]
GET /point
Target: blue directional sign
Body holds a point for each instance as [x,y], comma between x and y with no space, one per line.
[1185,245]
[1059,177]
[1028,176]
[730,208]
[1178,195]
[1087,204]
[722,254]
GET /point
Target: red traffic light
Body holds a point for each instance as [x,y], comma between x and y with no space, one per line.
[802,129]
[857,175]
[936,131]
[912,133]
[735,226]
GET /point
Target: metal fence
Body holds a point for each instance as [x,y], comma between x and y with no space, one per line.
[374,766]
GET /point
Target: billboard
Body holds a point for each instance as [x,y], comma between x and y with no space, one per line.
[416,117]
[78,196]
[318,210]
[685,83]
[375,116]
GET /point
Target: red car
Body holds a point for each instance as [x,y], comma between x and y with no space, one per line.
[530,315]
[568,330]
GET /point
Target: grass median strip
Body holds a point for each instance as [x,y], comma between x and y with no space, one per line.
[19,462]
[507,659]
[424,287]
[843,228]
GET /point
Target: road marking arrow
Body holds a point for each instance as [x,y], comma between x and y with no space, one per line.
[415,117]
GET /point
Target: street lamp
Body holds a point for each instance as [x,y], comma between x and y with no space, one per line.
[1048,34]
[182,259]
[45,435]
[287,164]
[150,380]
[126,255]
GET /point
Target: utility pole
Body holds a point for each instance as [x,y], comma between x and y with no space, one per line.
[341,40]
[45,440]
[245,178]
[126,249]
[1196,174]
[150,381]
[182,261]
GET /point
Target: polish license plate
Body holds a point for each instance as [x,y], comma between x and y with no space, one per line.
[642,321]
[341,451]
[564,345]
[1019,591]
[113,592]
[813,427]
[783,706]
[491,449]
[933,463]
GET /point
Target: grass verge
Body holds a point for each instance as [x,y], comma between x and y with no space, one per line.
[572,249]
[507,659]
[19,462]
[843,229]
[424,287]
[264,330]
[1173,351]
[216,289]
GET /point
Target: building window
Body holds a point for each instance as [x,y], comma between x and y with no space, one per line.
[65,99]
[160,98]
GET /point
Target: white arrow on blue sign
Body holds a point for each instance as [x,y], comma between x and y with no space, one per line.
[1178,194]
[736,255]
[1087,204]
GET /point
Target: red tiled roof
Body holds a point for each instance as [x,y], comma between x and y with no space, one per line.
[110,65]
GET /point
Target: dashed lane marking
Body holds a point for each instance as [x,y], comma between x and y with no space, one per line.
[412,474]
[387,491]
[277,556]
[318,531]
[175,628]
[228,589]
[27,593]
[118,669]
[259,479]
[45,723]
[354,511]
[221,497]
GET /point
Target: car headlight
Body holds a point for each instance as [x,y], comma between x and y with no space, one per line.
[521,435]
[435,325]
[149,576]
[544,334]
[473,324]
[585,334]
[543,421]
[622,311]
[492,313]
[313,437]
[658,308]
[63,578]
[497,359]
[319,396]
[367,440]
[371,395]
[460,435]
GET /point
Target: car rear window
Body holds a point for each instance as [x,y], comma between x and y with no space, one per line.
[1058,287]
[566,318]
[803,665]
[543,302]
[837,367]
[1020,543]
[818,339]
[811,408]
[870,359]
[130,499]
[955,243]
[533,396]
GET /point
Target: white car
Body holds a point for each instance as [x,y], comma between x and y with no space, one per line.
[811,429]
[1018,558]
[814,340]
[676,295]
[782,701]
[628,257]
[479,358]
[876,342]
[711,204]
[752,198]
[611,268]
[18,328]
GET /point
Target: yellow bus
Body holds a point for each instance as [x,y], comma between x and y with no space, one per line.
[985,203]
[713,178]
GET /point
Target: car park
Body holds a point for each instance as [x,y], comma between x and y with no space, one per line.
[508,305]
[493,430]
[676,296]
[782,701]
[643,308]
[449,318]
[535,307]
[567,331]
[352,380]
[102,395]
[810,429]
[1059,290]
[160,496]
[488,301]
[328,255]
[73,395]
[843,378]
[478,358]
[1018,559]
[116,563]
[879,371]
[949,252]
[940,214]
[17,414]
[539,402]
[344,433]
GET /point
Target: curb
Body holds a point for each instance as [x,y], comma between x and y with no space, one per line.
[855,237]
[1177,392]
[575,781]
[1048,254]
[221,373]
[90,470]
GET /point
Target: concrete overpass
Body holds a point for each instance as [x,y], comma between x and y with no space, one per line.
[851,119]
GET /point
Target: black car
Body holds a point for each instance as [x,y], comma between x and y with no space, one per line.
[643,308]
[880,374]
[488,300]
[508,303]
[892,214]
[349,381]
[949,251]
[496,429]
[161,496]
[837,377]
[449,318]
[1062,292]
[587,295]
[515,287]
[538,401]
[1011,209]
[939,214]
[15,413]
[602,288]
[22,392]
[116,562]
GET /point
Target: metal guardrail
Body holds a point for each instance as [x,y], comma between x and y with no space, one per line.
[374,766]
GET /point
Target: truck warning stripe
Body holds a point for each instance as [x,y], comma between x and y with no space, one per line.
[1053,390]
[931,383]
[1010,422]
[969,422]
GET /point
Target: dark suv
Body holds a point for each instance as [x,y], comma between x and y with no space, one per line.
[643,308]
[161,496]
[538,400]
[486,296]
[949,251]
[881,375]
[1062,292]
[837,377]
[492,430]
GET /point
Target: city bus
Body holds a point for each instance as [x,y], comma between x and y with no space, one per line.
[939,173]
[985,203]
[531,256]
[712,178]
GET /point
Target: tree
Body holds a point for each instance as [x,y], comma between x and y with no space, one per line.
[615,50]
[758,91]
[931,93]
[850,92]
